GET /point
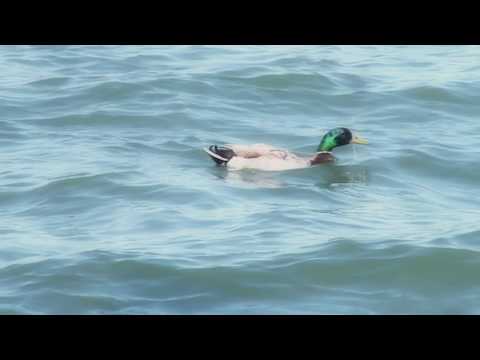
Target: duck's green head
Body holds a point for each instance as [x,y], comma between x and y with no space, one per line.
[338,137]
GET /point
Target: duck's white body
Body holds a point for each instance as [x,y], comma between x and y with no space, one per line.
[264,157]
[268,158]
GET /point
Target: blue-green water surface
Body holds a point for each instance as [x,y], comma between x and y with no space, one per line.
[108,204]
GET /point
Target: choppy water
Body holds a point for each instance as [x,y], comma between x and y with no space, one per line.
[109,205]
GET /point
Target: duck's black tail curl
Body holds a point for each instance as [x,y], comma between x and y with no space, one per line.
[220,154]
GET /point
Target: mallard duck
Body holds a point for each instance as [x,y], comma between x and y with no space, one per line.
[267,157]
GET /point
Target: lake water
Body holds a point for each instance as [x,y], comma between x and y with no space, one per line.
[109,205]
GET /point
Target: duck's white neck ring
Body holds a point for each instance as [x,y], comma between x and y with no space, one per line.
[324,152]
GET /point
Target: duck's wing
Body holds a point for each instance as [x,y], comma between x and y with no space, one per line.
[251,151]
[267,163]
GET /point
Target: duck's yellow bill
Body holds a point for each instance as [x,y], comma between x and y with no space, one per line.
[358,140]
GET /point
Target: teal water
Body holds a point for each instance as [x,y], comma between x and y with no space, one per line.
[110,206]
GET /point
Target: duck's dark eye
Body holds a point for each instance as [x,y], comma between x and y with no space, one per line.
[346,136]
[341,138]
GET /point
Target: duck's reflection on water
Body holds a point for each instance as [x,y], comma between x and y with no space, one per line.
[250,178]
[343,175]
[329,176]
